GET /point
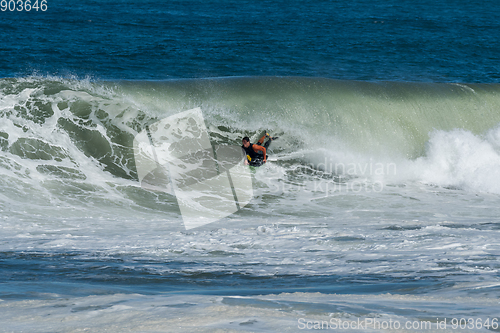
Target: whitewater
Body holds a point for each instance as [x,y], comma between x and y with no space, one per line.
[380,201]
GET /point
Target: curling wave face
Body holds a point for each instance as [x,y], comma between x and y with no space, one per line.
[82,132]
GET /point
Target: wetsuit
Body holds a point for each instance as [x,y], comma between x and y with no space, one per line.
[256,153]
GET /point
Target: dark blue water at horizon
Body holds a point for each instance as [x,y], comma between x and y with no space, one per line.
[443,41]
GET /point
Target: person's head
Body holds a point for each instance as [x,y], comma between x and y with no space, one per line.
[246,142]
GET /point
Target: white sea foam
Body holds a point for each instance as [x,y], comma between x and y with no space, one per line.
[312,216]
[462,160]
[286,312]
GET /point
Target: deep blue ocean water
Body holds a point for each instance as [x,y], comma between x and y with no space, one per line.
[380,199]
[450,41]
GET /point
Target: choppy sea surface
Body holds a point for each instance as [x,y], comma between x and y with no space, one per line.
[377,211]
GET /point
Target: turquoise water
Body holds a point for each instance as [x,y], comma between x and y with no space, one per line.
[379,201]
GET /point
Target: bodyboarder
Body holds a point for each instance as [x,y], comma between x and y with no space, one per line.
[256,153]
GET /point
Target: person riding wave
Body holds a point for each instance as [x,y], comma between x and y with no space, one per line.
[256,153]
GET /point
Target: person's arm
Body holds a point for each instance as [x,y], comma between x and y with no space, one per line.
[262,149]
